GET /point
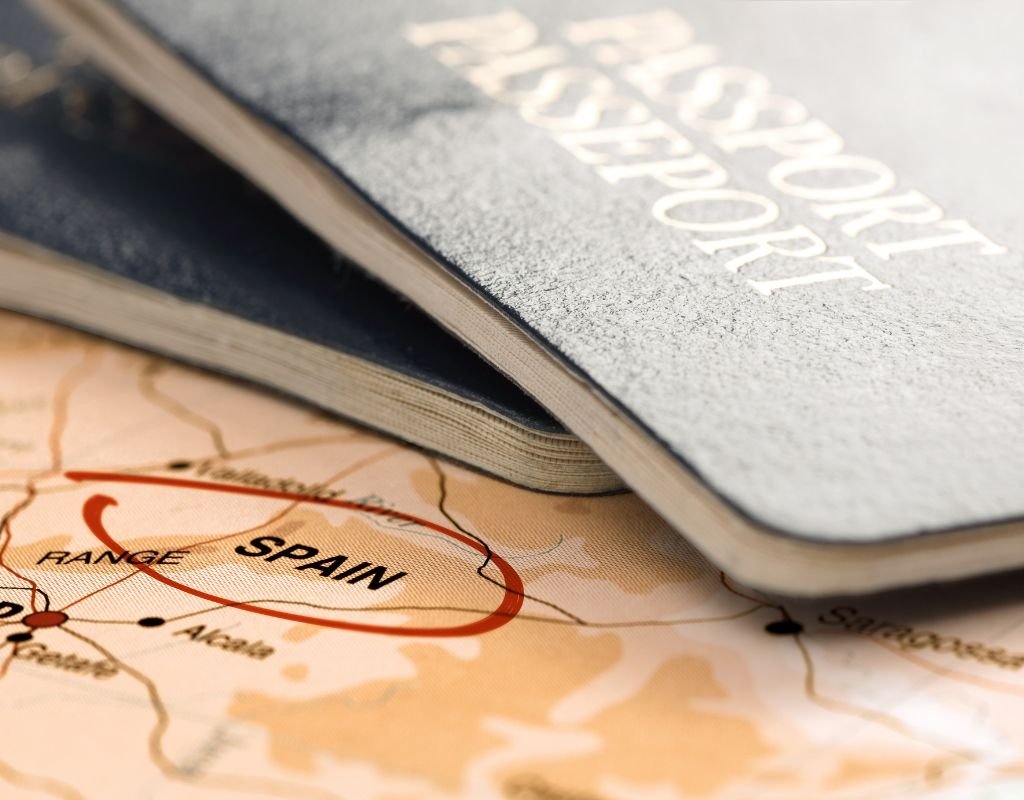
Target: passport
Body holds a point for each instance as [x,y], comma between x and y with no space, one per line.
[763,257]
[113,221]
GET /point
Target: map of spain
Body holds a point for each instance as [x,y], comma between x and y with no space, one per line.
[207,591]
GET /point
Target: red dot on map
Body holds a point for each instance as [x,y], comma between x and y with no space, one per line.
[45,619]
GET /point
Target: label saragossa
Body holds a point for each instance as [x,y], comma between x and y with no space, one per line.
[909,638]
[265,546]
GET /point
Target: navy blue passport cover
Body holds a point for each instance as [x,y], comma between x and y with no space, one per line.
[113,186]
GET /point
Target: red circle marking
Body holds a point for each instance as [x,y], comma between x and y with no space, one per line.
[510,605]
[45,619]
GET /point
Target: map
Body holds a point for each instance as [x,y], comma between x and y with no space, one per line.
[209,591]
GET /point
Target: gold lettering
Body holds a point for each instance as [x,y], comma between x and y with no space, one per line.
[962,233]
[655,78]
[763,245]
[853,270]
[812,139]
[883,178]
[652,138]
[729,197]
[493,77]
[487,51]
[653,49]
[696,172]
[632,38]
[749,108]
[480,38]
[878,210]
[658,54]
[536,105]
[710,87]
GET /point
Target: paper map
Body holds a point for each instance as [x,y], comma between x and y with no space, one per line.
[211,592]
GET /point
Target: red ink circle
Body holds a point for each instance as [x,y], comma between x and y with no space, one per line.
[511,603]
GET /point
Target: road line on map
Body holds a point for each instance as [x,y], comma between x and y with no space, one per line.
[46,597]
[443,491]
[101,589]
[866,714]
[727,584]
[58,424]
[164,763]
[548,551]
[841,707]
[643,623]
[163,719]
[38,783]
[62,397]
[7,535]
[147,387]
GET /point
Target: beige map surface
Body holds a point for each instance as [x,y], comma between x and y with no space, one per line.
[626,666]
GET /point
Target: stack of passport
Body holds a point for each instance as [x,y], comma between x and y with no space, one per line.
[759,262]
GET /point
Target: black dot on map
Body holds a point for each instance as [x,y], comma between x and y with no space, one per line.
[179,465]
[784,627]
[151,622]
[19,637]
